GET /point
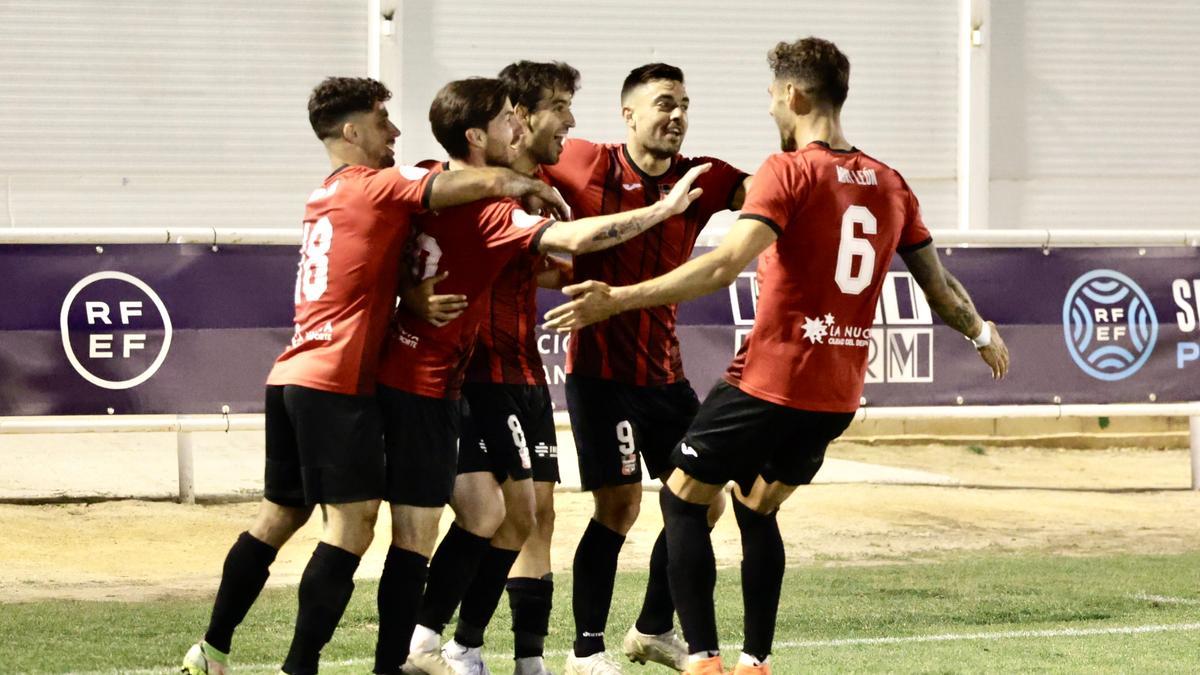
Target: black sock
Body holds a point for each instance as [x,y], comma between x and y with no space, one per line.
[692,568]
[247,566]
[530,601]
[658,612]
[325,589]
[400,588]
[451,570]
[595,570]
[762,577]
[482,597]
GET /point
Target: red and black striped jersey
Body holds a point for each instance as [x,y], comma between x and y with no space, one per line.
[473,242]
[638,347]
[506,348]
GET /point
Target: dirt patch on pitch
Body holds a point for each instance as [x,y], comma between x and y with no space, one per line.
[1008,499]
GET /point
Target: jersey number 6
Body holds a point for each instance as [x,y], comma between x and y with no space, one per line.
[850,281]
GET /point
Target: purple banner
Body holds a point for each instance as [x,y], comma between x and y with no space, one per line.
[185,329]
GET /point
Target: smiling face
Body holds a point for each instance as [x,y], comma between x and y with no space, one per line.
[657,115]
[502,135]
[375,136]
[547,126]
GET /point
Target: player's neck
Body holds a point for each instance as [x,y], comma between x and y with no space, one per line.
[456,164]
[650,164]
[824,128]
[524,164]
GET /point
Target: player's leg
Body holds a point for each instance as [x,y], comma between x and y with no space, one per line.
[342,463]
[664,417]
[756,504]
[481,598]
[478,511]
[247,564]
[530,584]
[610,468]
[720,446]
[421,437]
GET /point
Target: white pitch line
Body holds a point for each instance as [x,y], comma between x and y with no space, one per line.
[1166,600]
[793,644]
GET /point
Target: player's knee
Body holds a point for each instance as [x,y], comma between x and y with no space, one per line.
[521,521]
[276,524]
[544,520]
[620,512]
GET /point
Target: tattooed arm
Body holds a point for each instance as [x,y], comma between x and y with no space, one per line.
[950,300]
[601,232]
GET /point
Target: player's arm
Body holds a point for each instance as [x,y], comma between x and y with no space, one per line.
[420,298]
[594,301]
[739,195]
[601,232]
[950,300]
[452,188]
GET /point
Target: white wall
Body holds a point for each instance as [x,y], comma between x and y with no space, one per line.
[167,113]
[1094,117]
[902,105]
[149,112]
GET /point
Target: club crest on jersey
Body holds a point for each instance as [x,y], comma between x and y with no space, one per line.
[524,220]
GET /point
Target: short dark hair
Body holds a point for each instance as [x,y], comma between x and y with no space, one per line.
[465,104]
[817,64]
[649,73]
[528,81]
[336,98]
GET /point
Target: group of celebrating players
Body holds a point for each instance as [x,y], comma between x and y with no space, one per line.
[441,398]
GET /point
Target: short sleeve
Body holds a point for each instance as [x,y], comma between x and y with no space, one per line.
[777,192]
[404,188]
[578,162]
[720,184]
[506,227]
[914,235]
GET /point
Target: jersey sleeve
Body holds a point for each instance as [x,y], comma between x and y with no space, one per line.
[776,194]
[578,162]
[403,188]
[508,228]
[720,183]
[914,235]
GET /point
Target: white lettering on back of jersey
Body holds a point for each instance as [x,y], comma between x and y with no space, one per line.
[856,176]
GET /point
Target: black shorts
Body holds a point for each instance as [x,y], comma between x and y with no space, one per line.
[420,435]
[508,429]
[615,423]
[739,437]
[322,447]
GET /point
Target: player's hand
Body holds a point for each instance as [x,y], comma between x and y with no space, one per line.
[682,195]
[546,200]
[591,301]
[995,354]
[438,310]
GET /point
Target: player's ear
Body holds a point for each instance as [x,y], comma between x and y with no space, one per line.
[627,115]
[522,113]
[476,137]
[797,101]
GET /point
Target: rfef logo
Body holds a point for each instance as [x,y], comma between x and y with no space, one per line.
[1109,325]
[115,330]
